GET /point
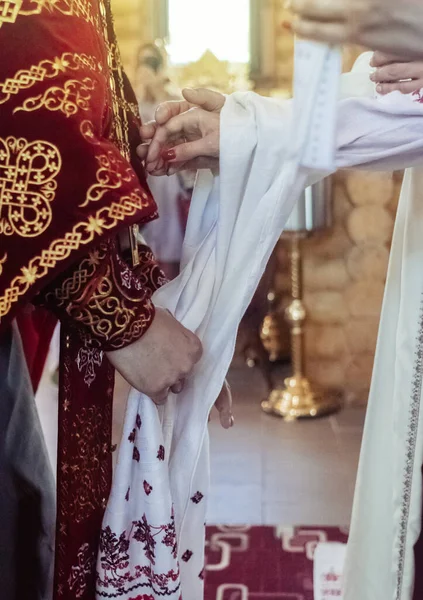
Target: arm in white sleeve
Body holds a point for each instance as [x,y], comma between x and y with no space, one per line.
[379,134]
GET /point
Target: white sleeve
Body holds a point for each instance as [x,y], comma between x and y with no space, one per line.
[384,133]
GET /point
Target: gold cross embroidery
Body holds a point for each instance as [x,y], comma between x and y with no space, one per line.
[28,185]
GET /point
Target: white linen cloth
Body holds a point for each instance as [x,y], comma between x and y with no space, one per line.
[165,236]
[161,483]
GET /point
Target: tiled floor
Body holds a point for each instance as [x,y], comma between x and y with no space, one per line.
[264,471]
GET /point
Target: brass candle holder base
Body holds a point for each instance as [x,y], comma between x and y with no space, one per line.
[297,400]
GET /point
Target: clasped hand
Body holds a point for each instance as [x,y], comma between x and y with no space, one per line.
[185,135]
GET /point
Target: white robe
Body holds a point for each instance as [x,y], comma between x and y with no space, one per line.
[161,484]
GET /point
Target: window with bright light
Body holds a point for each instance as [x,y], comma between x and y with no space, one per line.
[221,26]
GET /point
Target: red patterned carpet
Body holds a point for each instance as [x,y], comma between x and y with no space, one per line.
[264,563]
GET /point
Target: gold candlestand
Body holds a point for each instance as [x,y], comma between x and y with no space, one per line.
[298,398]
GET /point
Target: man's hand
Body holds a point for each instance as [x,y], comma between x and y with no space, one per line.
[185,135]
[391,26]
[161,360]
[392,74]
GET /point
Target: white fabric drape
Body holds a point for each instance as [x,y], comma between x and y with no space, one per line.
[386,518]
[161,483]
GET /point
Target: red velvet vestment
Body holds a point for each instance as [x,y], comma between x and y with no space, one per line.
[68,184]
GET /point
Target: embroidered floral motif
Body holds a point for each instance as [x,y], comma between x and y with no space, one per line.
[73,96]
[147,488]
[114,550]
[197,498]
[87,360]
[138,422]
[144,535]
[170,538]
[202,574]
[84,475]
[131,436]
[85,565]
[111,174]
[142,597]
[136,456]
[161,453]
[187,556]
[127,494]
[114,559]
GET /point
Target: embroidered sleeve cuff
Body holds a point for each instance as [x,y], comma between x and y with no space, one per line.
[105,298]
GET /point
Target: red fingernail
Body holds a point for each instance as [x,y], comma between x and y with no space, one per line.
[168,155]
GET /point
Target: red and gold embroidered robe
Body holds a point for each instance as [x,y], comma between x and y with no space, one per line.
[68,185]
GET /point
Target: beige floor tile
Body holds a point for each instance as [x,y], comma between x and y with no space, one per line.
[239,504]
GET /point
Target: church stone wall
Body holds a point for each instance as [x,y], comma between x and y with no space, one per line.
[344,279]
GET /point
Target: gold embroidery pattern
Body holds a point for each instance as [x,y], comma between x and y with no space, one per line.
[120,131]
[111,318]
[82,234]
[46,69]
[77,8]
[87,131]
[74,95]
[2,261]
[110,176]
[94,297]
[74,287]
[27,185]
[129,107]
[11,9]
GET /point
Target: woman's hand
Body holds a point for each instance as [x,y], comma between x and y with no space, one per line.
[185,135]
[391,26]
[392,74]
